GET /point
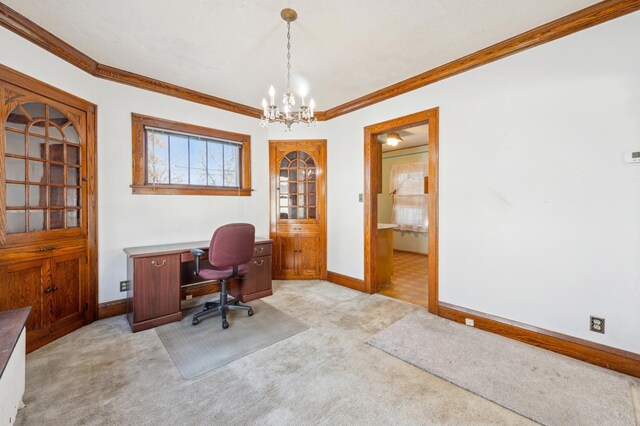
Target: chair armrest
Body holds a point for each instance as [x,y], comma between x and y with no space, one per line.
[197,254]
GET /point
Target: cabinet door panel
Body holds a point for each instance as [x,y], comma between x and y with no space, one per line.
[259,276]
[309,259]
[157,286]
[67,279]
[22,285]
[287,252]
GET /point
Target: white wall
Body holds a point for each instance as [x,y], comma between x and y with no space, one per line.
[416,242]
[539,217]
[133,220]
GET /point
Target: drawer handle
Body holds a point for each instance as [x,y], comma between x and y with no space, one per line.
[43,249]
[48,290]
[297,229]
[159,265]
[258,262]
[259,249]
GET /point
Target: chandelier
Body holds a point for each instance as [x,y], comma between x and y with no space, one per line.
[270,112]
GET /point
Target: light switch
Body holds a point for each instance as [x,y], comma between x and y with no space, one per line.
[360,198]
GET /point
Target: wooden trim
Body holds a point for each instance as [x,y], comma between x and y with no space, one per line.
[31,31]
[569,24]
[139,155]
[347,281]
[372,169]
[594,353]
[412,252]
[112,308]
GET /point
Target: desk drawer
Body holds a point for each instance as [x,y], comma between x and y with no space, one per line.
[260,250]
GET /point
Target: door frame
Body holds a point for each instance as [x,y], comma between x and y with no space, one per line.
[322,188]
[26,82]
[372,177]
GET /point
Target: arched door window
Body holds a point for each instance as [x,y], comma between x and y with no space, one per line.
[297,176]
[43,170]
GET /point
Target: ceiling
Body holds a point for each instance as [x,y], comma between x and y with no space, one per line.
[411,137]
[234,49]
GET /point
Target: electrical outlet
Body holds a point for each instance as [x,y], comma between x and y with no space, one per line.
[124,285]
[360,198]
[470,322]
[596,324]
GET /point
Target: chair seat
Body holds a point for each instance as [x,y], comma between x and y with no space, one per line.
[221,274]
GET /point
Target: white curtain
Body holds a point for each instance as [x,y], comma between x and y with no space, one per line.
[409,200]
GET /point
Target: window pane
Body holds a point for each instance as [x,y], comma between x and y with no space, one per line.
[37,128]
[56,174]
[15,169]
[56,219]
[36,220]
[215,164]
[198,161]
[71,134]
[73,218]
[15,221]
[34,109]
[312,213]
[56,151]
[157,157]
[15,195]
[15,143]
[37,196]
[73,176]
[53,133]
[17,119]
[56,196]
[73,154]
[73,197]
[231,165]
[179,157]
[37,147]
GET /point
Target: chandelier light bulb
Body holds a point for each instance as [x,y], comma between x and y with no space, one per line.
[264,104]
[312,106]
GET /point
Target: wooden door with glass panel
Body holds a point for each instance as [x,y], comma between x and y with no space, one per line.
[43,212]
[298,209]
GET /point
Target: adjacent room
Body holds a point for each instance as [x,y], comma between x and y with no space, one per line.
[302,212]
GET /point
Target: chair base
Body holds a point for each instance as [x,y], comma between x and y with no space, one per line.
[222,307]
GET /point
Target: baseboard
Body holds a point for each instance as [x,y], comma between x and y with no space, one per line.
[345,280]
[112,308]
[584,350]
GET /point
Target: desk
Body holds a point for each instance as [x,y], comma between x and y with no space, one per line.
[160,276]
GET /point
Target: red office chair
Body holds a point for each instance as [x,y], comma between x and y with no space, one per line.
[230,252]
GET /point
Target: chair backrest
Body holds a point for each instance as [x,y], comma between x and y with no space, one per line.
[232,245]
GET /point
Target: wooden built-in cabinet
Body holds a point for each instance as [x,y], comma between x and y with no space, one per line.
[298,209]
[48,257]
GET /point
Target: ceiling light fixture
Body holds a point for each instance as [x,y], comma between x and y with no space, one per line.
[270,112]
[393,139]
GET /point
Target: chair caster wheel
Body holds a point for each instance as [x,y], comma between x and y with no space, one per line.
[250,312]
[225,324]
[195,321]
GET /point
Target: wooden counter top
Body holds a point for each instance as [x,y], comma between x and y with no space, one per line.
[11,325]
[162,249]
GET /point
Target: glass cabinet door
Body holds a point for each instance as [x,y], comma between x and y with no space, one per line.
[297,183]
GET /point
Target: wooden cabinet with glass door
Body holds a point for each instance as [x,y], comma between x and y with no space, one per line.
[47,206]
[298,208]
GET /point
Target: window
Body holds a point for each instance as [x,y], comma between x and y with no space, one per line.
[409,201]
[297,186]
[178,158]
[43,165]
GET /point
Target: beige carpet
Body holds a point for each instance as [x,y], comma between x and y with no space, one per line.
[103,374]
[207,346]
[544,386]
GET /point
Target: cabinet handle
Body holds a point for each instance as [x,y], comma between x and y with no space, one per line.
[43,249]
[48,290]
[259,249]
[258,262]
[297,229]
[158,265]
[55,288]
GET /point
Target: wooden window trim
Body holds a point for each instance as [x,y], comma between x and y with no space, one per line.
[139,153]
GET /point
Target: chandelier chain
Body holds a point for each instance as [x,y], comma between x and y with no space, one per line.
[288,56]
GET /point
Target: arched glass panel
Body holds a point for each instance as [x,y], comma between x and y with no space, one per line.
[42,170]
[297,199]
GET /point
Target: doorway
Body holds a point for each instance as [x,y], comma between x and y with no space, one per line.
[374,247]
[298,209]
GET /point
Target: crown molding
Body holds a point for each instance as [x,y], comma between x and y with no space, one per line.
[569,24]
[31,31]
